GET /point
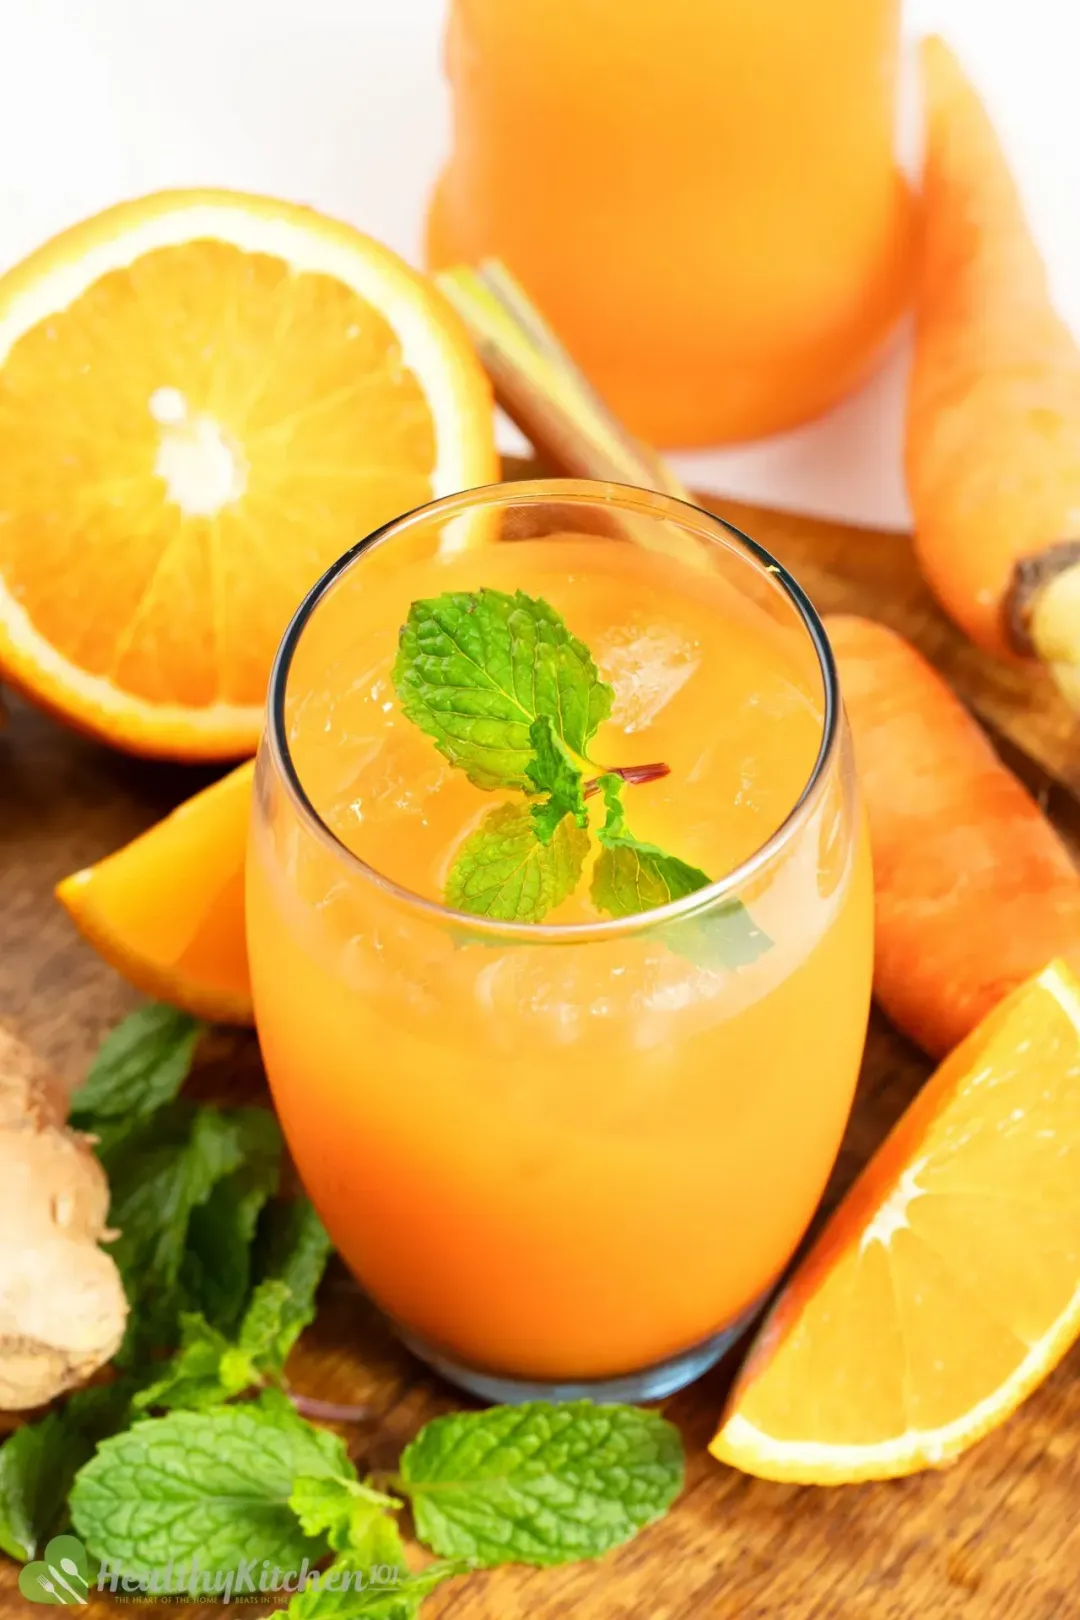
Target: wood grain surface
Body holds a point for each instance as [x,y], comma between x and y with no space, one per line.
[996,1537]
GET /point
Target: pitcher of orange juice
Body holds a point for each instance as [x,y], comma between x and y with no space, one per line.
[701,195]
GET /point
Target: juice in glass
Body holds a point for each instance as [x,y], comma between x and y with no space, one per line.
[701,195]
[567,1155]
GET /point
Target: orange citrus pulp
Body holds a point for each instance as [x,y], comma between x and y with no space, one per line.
[205,398]
[947,1284]
[167,910]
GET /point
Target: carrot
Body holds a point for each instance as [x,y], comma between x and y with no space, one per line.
[993,416]
[973,888]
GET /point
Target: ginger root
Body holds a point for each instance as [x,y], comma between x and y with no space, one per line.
[62,1305]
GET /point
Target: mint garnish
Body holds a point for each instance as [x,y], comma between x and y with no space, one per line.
[552,771]
[540,1484]
[474,670]
[631,876]
[511,697]
[503,870]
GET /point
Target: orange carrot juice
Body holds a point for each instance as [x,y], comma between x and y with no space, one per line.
[701,195]
[572,1150]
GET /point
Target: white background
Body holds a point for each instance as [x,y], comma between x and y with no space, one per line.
[340,103]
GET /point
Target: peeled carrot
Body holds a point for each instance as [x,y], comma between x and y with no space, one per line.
[993,418]
[973,888]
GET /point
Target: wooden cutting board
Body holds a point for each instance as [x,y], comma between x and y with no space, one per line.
[996,1536]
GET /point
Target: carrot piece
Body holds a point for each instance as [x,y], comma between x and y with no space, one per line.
[973,888]
[993,417]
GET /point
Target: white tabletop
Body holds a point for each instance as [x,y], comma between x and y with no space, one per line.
[340,103]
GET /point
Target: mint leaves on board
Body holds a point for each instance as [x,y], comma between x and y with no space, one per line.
[159,1178]
[511,697]
[216,1484]
[139,1067]
[39,1461]
[540,1484]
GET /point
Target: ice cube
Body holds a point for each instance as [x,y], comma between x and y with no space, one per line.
[647,665]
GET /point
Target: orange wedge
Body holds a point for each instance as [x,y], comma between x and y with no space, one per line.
[205,398]
[167,911]
[947,1284]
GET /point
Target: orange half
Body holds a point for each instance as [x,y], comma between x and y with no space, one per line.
[947,1284]
[167,911]
[205,398]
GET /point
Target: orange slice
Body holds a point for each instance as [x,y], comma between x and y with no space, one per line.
[947,1284]
[167,911]
[205,398]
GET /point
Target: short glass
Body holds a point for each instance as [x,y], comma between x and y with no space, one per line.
[565,1159]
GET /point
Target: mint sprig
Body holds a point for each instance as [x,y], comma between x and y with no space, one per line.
[632,876]
[475,669]
[209,1367]
[505,871]
[514,699]
[552,771]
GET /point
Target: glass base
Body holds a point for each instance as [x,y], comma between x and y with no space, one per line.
[651,1384]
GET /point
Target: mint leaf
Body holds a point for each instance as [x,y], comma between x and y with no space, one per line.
[350,1515]
[209,1367]
[295,1250]
[39,1461]
[31,1498]
[631,876]
[140,1066]
[504,871]
[216,1270]
[540,1484]
[159,1177]
[194,1377]
[475,669]
[352,1590]
[216,1484]
[552,771]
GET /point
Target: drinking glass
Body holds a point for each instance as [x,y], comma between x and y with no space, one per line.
[565,1158]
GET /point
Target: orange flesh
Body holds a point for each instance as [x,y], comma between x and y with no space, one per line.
[947,1284]
[561,1160]
[303,431]
[168,909]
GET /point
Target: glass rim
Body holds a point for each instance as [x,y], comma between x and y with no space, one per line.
[564,491]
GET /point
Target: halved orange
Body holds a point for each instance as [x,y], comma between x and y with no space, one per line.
[947,1284]
[167,910]
[205,398]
